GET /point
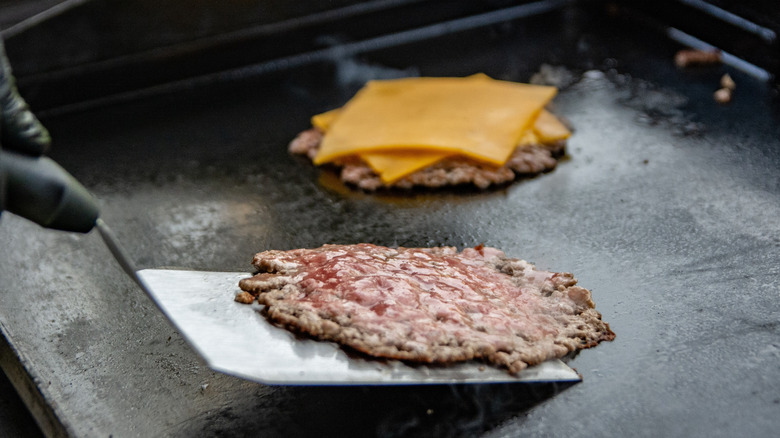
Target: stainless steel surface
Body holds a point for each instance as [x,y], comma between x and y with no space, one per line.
[235,339]
[119,253]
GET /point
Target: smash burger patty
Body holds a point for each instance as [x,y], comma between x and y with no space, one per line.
[526,160]
[431,305]
[436,132]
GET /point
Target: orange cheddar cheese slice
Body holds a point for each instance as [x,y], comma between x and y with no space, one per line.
[546,127]
[392,166]
[549,128]
[324,120]
[389,165]
[476,117]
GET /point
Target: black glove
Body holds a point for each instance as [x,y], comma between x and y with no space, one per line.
[20,130]
[33,186]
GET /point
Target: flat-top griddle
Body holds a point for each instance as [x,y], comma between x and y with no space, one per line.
[665,208]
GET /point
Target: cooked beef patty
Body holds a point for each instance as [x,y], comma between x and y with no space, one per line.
[525,161]
[431,305]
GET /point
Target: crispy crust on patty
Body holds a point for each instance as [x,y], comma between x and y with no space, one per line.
[562,312]
[526,160]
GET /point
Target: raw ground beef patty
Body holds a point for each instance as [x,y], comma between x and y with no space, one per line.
[431,305]
[526,160]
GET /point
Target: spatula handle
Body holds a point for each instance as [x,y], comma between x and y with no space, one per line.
[42,191]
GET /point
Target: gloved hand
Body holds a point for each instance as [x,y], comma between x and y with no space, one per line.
[20,130]
[31,185]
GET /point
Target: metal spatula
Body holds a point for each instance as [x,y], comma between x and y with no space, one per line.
[236,339]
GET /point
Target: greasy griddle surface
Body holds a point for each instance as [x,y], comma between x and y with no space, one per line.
[666,209]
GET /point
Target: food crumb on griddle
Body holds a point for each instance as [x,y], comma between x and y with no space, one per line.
[727,82]
[692,57]
[722,96]
[244,297]
[726,90]
[556,76]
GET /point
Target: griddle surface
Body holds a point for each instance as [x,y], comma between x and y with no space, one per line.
[666,208]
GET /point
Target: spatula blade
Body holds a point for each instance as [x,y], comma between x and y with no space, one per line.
[236,339]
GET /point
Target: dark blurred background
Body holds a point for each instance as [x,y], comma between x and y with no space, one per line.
[74,52]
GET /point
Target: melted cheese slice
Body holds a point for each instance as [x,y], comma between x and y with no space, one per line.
[389,165]
[476,116]
[546,128]
[324,120]
[394,165]
[549,129]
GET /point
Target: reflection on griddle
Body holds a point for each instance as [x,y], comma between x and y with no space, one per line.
[384,411]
